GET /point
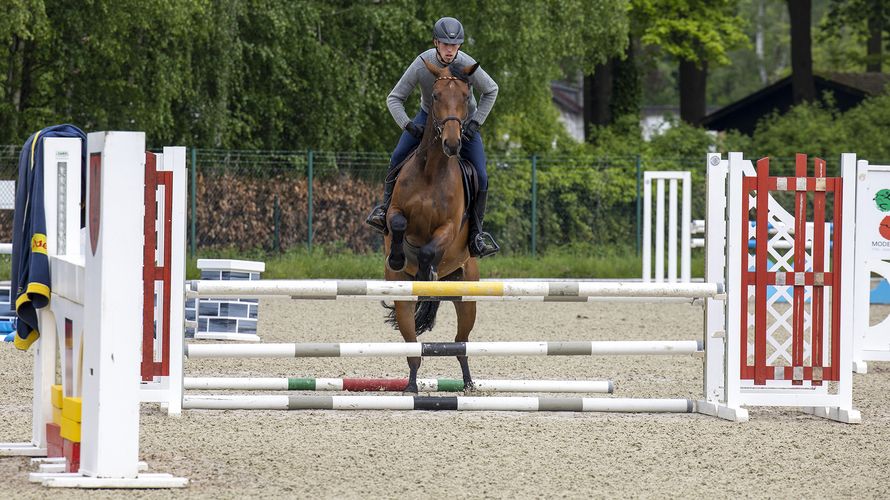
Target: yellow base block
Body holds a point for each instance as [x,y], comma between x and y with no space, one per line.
[71,430]
[57,396]
[71,409]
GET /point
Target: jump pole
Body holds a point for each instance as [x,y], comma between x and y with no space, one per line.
[393,384]
[502,298]
[328,289]
[459,403]
[382,349]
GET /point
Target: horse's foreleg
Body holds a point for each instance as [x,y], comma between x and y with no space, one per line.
[430,255]
[405,319]
[398,224]
[466,319]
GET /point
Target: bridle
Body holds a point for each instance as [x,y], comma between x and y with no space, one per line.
[440,124]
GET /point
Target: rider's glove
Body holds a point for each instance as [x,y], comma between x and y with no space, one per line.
[414,130]
[470,130]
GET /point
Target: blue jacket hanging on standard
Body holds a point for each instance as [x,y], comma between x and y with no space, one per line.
[30,263]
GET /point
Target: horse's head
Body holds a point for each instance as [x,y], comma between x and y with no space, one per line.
[451,100]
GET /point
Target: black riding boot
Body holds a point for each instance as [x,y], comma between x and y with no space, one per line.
[481,243]
[377,218]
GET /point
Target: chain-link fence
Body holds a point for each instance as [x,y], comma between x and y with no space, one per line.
[244,202]
[9,159]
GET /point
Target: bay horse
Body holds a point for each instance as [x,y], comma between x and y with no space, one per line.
[427,218]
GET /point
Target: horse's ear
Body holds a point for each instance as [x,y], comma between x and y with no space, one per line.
[469,70]
[432,67]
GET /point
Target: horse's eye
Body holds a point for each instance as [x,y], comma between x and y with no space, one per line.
[435,97]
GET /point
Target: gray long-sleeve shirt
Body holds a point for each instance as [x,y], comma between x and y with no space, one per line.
[417,75]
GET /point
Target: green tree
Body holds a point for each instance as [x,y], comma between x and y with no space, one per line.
[293,75]
[866,20]
[697,33]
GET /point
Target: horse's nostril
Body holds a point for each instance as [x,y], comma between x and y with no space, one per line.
[451,149]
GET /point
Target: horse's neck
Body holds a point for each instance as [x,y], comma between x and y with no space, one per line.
[426,143]
[433,163]
[436,166]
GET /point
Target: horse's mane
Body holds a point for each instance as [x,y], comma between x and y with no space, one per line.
[458,73]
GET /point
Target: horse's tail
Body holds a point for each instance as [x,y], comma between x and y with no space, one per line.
[424,315]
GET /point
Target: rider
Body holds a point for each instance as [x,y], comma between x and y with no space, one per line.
[448,35]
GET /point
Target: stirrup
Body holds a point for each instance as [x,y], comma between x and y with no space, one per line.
[483,245]
[377,219]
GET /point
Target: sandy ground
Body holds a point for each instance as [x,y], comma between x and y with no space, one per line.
[373,454]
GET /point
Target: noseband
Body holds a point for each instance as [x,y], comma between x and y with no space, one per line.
[440,124]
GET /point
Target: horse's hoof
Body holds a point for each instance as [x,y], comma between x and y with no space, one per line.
[469,386]
[396,265]
[410,392]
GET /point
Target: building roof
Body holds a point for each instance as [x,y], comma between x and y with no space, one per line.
[847,90]
[567,97]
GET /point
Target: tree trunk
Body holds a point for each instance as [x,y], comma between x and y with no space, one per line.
[597,96]
[758,42]
[803,88]
[627,88]
[875,40]
[693,84]
[9,122]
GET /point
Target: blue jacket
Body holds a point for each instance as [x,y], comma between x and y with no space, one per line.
[30,263]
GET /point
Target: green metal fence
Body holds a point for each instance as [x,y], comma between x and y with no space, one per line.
[279,200]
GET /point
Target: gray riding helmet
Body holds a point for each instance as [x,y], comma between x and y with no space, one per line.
[449,30]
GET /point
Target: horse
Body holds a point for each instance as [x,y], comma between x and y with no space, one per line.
[427,218]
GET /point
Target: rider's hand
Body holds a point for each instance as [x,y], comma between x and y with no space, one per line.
[414,130]
[470,130]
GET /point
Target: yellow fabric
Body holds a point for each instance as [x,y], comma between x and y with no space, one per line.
[23,344]
[38,243]
[70,430]
[34,147]
[38,288]
[71,409]
[57,396]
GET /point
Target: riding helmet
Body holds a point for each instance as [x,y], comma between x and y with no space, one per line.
[449,30]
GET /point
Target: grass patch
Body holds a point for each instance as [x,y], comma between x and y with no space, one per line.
[574,262]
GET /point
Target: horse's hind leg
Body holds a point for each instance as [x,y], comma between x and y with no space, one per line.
[466,319]
[405,318]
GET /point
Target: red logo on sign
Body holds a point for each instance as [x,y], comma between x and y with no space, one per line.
[884,228]
[94,209]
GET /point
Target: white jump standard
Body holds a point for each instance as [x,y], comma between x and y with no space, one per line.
[95,315]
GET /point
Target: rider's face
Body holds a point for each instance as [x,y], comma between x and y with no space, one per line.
[447,51]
